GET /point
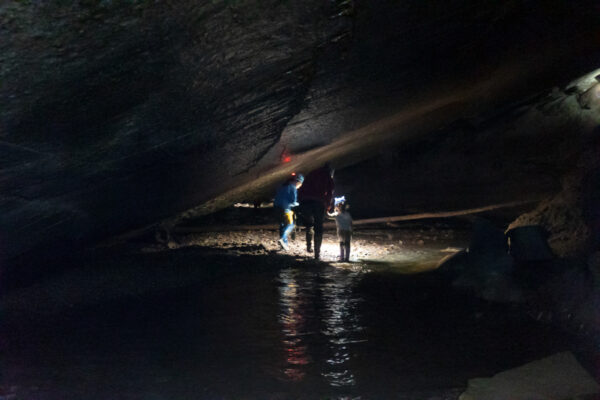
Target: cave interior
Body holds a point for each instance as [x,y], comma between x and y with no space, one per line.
[142,142]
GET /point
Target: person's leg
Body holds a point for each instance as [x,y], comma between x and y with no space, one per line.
[280,220]
[286,232]
[340,235]
[309,238]
[348,239]
[319,215]
[295,222]
[309,222]
[286,227]
[288,219]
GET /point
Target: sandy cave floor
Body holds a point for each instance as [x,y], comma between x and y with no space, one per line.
[411,247]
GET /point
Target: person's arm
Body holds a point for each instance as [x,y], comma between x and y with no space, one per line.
[293,196]
[329,193]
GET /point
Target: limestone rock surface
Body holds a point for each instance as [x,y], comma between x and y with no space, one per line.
[118,114]
[558,377]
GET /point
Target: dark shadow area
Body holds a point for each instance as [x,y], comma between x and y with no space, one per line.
[204,323]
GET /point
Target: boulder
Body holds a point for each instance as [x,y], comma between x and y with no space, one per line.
[485,268]
[489,276]
[558,377]
[529,243]
[452,265]
[487,238]
[564,218]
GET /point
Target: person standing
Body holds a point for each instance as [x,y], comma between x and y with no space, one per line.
[343,221]
[286,198]
[315,198]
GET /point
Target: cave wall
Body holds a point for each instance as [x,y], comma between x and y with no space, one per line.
[571,217]
[525,151]
[118,114]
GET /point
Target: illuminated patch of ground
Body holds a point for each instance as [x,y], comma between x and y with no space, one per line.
[405,250]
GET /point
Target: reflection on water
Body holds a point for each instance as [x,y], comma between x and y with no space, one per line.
[342,326]
[305,331]
[318,315]
[293,321]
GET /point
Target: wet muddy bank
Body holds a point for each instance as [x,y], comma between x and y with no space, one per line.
[378,243]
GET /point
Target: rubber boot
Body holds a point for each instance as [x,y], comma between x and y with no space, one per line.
[347,245]
[286,232]
[309,237]
[318,240]
[342,248]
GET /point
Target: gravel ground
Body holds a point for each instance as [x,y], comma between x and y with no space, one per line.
[419,246]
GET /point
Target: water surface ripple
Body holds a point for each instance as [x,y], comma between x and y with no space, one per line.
[298,330]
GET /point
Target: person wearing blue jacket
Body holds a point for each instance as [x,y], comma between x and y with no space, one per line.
[286,198]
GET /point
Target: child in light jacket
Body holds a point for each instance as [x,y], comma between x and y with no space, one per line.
[343,220]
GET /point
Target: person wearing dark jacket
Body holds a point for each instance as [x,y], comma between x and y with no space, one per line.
[315,197]
[286,198]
